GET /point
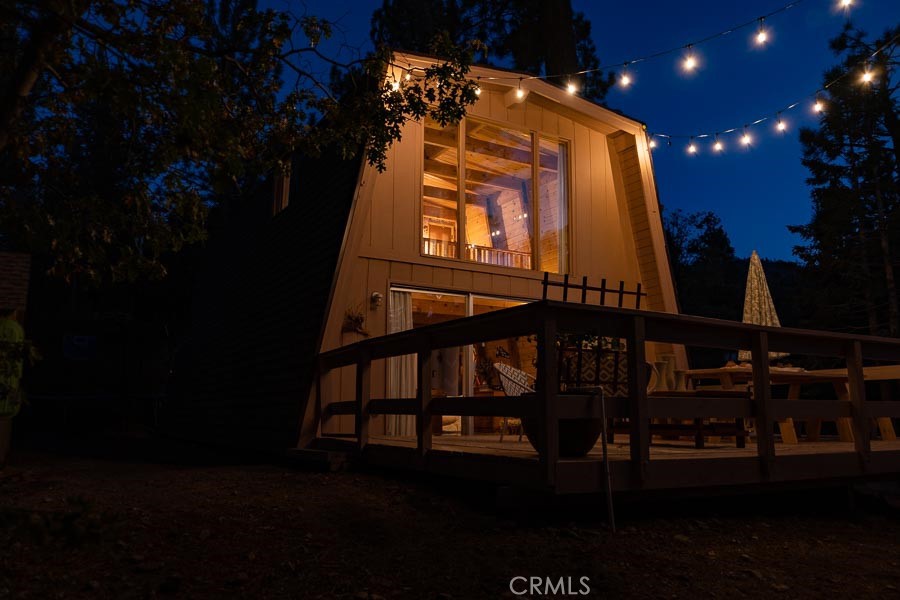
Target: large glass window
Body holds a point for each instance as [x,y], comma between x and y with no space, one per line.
[507,220]
[440,192]
[552,203]
[499,166]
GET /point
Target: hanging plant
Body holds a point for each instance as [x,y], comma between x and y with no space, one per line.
[355,321]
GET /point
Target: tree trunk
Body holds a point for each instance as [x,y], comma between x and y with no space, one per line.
[871,311]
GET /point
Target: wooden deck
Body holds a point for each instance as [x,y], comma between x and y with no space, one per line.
[645,462]
[674,464]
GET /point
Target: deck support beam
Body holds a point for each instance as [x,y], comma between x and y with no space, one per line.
[762,399]
[423,402]
[548,392]
[363,395]
[639,405]
[856,388]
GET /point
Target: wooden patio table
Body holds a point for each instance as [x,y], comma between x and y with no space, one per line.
[740,376]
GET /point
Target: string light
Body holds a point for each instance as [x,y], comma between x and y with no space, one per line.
[571,87]
[478,91]
[818,106]
[408,76]
[395,86]
[652,142]
[718,147]
[761,34]
[780,124]
[846,3]
[625,79]
[867,74]
[520,93]
[692,148]
[746,139]
[690,61]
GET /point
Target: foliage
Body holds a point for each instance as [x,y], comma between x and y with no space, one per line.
[122,122]
[535,36]
[13,355]
[853,164]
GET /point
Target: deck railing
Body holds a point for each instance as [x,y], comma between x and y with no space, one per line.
[548,406]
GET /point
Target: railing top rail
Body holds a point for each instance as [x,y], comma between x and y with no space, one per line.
[611,321]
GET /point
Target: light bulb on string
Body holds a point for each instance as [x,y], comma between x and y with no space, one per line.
[780,125]
[867,75]
[746,139]
[846,3]
[478,91]
[625,78]
[520,93]
[690,61]
[408,76]
[692,147]
[762,35]
[652,143]
[818,106]
[395,86]
[571,87]
[717,146]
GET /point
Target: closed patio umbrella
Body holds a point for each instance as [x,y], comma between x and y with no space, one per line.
[758,306]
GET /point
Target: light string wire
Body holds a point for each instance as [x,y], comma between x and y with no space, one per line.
[777,113]
[626,63]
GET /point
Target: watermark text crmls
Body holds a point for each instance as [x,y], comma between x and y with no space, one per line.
[537,585]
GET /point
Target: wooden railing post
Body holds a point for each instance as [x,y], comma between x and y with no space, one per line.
[639,408]
[548,391]
[856,386]
[762,398]
[363,395]
[423,404]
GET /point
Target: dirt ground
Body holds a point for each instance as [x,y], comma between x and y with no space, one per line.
[152,524]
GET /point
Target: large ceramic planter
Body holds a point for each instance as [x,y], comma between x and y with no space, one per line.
[576,436]
[5,437]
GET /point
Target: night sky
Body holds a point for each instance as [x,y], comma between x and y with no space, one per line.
[756,192]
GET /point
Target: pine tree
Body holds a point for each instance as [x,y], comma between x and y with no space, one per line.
[853,164]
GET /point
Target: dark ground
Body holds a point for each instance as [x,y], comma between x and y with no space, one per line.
[145,519]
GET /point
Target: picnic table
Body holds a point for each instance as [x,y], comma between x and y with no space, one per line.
[740,376]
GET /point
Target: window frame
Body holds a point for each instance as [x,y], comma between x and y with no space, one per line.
[536,136]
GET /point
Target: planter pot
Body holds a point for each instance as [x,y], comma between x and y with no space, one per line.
[576,436]
[5,437]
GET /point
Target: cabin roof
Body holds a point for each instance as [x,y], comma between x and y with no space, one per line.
[511,79]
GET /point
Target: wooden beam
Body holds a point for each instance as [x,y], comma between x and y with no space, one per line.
[856,387]
[423,395]
[394,406]
[548,390]
[804,410]
[640,407]
[363,385]
[762,399]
